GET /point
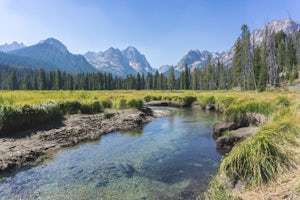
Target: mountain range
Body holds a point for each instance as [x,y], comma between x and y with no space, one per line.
[10,47]
[195,58]
[49,54]
[52,54]
[121,63]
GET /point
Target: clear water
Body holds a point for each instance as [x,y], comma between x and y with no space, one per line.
[169,158]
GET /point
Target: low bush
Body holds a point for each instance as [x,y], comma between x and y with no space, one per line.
[15,118]
[147,98]
[188,100]
[106,103]
[135,103]
[120,104]
[70,107]
[91,108]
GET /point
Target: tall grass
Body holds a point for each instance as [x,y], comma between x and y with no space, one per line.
[236,112]
[15,118]
[260,158]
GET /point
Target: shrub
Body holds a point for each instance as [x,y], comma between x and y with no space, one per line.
[188,100]
[106,103]
[147,98]
[91,108]
[13,118]
[135,103]
[120,104]
[167,98]
[70,107]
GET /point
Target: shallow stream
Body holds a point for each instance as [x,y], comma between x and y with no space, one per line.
[169,158]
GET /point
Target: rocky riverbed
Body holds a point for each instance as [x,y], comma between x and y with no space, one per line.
[23,147]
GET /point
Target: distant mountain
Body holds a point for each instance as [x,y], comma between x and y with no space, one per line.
[193,59]
[49,54]
[286,25]
[164,69]
[137,60]
[10,47]
[120,63]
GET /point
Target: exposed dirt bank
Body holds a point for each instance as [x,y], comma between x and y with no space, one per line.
[24,147]
[240,130]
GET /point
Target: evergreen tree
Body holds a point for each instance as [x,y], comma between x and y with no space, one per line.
[237,64]
[171,79]
[195,79]
[186,79]
[257,63]
[42,79]
[138,82]
[13,84]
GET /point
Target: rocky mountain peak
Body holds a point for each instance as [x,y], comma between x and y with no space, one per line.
[56,43]
[10,47]
[121,63]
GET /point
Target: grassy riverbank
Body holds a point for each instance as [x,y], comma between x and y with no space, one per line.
[252,164]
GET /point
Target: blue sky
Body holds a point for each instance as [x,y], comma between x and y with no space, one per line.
[163,30]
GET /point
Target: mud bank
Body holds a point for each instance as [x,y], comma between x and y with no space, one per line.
[23,148]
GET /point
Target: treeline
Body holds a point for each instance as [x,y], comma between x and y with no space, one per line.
[12,78]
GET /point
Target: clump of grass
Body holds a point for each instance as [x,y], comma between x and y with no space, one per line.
[70,107]
[135,103]
[210,100]
[237,112]
[148,98]
[227,133]
[130,103]
[15,118]
[120,104]
[91,108]
[283,101]
[188,100]
[106,103]
[260,158]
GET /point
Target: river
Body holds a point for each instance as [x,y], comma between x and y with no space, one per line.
[169,158]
